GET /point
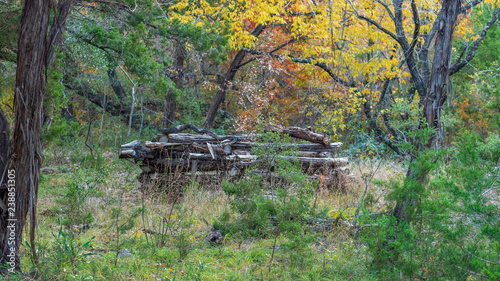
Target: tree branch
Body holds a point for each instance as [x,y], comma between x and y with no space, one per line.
[274,50]
[471,272]
[376,129]
[416,78]
[306,61]
[416,30]
[469,5]
[376,24]
[56,29]
[383,3]
[472,52]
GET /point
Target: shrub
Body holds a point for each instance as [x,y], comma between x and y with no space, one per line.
[451,229]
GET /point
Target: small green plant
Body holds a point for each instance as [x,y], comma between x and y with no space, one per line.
[276,195]
[123,223]
[276,201]
[73,202]
[67,250]
[365,147]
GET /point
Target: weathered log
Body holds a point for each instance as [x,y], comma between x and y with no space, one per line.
[129,153]
[160,145]
[187,157]
[314,154]
[320,161]
[303,134]
[299,146]
[226,163]
[190,138]
[180,128]
[183,166]
[132,145]
[295,132]
[219,149]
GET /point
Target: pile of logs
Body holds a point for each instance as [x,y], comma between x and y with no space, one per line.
[184,157]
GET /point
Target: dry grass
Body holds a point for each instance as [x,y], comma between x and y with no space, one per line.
[158,228]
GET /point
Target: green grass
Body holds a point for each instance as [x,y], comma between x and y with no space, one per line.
[108,187]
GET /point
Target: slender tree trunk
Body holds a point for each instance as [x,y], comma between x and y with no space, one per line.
[170,103]
[441,67]
[231,72]
[436,95]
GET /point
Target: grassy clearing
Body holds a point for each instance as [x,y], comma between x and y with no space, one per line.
[94,223]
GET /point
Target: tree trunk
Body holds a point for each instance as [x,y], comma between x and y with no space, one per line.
[436,95]
[441,67]
[35,51]
[27,146]
[170,103]
[4,144]
[116,84]
[231,72]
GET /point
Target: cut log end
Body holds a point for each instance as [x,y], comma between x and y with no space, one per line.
[129,153]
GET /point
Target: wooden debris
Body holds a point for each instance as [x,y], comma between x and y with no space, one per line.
[191,156]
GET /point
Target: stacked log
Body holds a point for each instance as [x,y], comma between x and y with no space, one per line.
[190,156]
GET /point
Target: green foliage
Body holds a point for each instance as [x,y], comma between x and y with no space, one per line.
[212,39]
[94,159]
[192,106]
[9,24]
[450,228]
[125,221]
[263,206]
[67,250]
[73,204]
[365,146]
[55,99]
[490,148]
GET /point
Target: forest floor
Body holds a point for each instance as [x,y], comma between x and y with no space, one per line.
[95,223]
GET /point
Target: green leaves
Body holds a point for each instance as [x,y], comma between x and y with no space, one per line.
[448,218]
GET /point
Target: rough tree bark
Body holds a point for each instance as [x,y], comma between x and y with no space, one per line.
[178,78]
[30,83]
[4,145]
[35,51]
[436,95]
[441,66]
[231,72]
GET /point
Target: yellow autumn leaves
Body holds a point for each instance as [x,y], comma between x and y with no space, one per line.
[333,33]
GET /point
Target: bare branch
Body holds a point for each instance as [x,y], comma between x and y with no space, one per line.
[283,45]
[306,61]
[274,50]
[417,80]
[398,22]
[472,52]
[424,53]
[245,63]
[416,21]
[376,24]
[469,5]
[389,12]
[379,134]
[471,272]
